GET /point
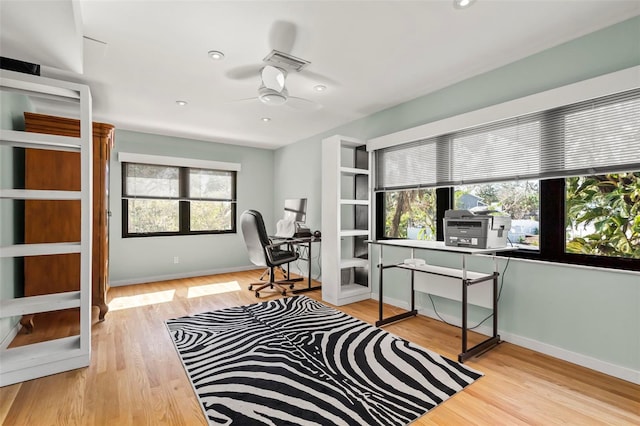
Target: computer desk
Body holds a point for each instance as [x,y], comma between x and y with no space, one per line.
[465,277]
[302,241]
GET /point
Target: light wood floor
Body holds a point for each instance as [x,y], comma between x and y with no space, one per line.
[136,378]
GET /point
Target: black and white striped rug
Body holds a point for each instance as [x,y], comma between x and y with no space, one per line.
[295,361]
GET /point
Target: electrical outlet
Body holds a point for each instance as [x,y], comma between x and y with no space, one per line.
[176,259]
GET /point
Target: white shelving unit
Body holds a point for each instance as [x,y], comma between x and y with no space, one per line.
[54,356]
[345,277]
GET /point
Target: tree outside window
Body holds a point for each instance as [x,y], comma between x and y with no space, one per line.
[520,200]
[410,214]
[169,200]
[603,215]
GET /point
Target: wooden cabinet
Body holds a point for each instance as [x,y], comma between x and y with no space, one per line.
[52,221]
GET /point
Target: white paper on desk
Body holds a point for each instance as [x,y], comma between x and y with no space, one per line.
[285,228]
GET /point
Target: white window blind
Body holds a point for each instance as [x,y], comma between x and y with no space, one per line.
[409,165]
[602,135]
[507,151]
[597,136]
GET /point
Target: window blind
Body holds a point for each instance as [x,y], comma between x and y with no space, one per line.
[408,165]
[599,136]
[596,136]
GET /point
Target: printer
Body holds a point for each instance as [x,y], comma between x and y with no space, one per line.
[464,228]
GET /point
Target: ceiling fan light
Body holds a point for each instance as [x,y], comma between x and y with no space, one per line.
[273,77]
[273,99]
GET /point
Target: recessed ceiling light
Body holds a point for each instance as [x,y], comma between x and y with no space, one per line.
[320,88]
[216,55]
[265,119]
[462,4]
[181,103]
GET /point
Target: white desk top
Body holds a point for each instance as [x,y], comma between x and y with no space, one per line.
[439,245]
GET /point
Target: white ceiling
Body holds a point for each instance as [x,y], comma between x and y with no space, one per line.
[139,57]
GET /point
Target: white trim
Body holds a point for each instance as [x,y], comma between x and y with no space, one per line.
[178,276]
[607,84]
[605,367]
[132,157]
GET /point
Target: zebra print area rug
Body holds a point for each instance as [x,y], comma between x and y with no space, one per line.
[295,361]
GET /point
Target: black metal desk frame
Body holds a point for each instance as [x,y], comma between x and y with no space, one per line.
[466,352]
[308,241]
[301,241]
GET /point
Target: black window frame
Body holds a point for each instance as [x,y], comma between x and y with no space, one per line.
[552,246]
[184,204]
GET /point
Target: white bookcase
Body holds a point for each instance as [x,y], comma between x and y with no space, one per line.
[41,359]
[346,220]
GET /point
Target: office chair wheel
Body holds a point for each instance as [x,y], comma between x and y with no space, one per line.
[250,287]
[290,285]
[284,292]
[257,294]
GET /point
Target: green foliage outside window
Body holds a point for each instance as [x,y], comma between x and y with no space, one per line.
[206,215]
[148,216]
[520,199]
[177,200]
[603,215]
[414,208]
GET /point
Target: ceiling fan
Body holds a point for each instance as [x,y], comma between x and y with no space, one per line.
[273,92]
[275,67]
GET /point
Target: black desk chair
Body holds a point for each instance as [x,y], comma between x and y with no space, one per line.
[262,252]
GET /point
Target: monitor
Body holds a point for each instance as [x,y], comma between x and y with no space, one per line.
[295,210]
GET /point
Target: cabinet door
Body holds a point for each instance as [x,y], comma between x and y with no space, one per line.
[48,221]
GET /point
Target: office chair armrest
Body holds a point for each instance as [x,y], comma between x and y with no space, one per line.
[278,256]
[277,246]
[279,243]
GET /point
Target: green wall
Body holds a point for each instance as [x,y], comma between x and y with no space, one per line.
[592,316]
[136,260]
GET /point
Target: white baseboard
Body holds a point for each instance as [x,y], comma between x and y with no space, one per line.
[181,275]
[605,367]
[618,371]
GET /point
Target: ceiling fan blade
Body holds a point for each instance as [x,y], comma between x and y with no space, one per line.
[244,72]
[302,104]
[318,78]
[255,98]
[282,36]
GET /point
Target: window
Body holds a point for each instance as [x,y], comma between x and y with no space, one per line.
[410,214]
[568,177]
[603,215]
[413,214]
[519,199]
[172,200]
